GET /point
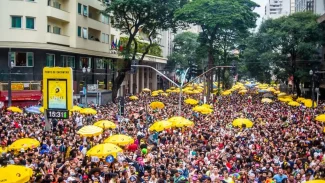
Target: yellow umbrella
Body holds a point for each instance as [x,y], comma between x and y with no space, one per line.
[207,106]
[105,124]
[133,98]
[25,143]
[239,122]
[316,181]
[225,93]
[320,118]
[202,109]
[179,122]
[293,103]
[160,126]
[119,139]
[104,150]
[14,109]
[285,99]
[300,99]
[164,94]
[88,111]
[191,101]
[41,109]
[15,174]
[266,100]
[157,105]
[154,94]
[75,108]
[282,94]
[146,90]
[308,103]
[242,91]
[277,92]
[90,131]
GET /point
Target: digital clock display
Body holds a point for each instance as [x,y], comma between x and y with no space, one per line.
[60,114]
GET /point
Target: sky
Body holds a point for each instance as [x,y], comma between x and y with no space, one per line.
[260,10]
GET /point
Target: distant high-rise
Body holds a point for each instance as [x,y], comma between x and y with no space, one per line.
[277,8]
[315,6]
[292,6]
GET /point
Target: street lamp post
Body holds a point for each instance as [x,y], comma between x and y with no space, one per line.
[311,73]
[181,92]
[86,71]
[10,66]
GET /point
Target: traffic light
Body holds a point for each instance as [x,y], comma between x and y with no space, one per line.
[121,106]
[133,68]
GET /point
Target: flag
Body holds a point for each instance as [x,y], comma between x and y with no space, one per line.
[113,45]
[118,44]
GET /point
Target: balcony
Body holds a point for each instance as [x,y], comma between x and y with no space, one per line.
[58,9]
[93,34]
[57,39]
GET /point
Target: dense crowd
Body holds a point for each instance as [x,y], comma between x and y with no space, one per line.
[285,144]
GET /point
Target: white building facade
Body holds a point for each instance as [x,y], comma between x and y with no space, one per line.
[277,8]
[316,6]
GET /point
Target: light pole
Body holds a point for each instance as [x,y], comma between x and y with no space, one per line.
[11,65]
[311,73]
[181,92]
[86,71]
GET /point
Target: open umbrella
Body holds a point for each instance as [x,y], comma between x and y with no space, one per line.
[90,131]
[104,150]
[180,122]
[119,139]
[309,103]
[294,104]
[88,111]
[202,109]
[14,109]
[266,100]
[160,126]
[268,95]
[316,181]
[15,174]
[146,90]
[157,105]
[133,98]
[242,91]
[239,122]
[24,143]
[191,101]
[33,109]
[105,124]
[75,109]
[320,118]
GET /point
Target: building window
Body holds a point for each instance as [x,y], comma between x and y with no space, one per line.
[100,64]
[106,38]
[22,59]
[85,33]
[68,61]
[16,21]
[56,30]
[50,60]
[56,5]
[49,28]
[79,8]
[103,37]
[30,23]
[79,31]
[85,13]
[85,62]
[105,19]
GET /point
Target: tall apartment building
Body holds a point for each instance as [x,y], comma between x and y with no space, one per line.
[316,6]
[277,8]
[64,33]
[292,6]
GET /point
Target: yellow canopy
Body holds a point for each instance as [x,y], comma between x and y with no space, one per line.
[105,124]
[202,110]
[294,104]
[191,101]
[119,139]
[88,111]
[25,143]
[242,91]
[308,103]
[75,108]
[15,109]
[157,105]
[266,100]
[90,131]
[104,150]
[15,174]
[179,122]
[133,97]
[320,118]
[160,126]
[239,122]
[300,99]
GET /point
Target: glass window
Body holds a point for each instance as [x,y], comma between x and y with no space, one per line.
[106,38]
[79,31]
[50,60]
[79,8]
[23,59]
[56,5]
[49,28]
[68,61]
[16,21]
[85,33]
[100,64]
[103,37]
[85,62]
[30,23]
[56,30]
[85,10]
[105,19]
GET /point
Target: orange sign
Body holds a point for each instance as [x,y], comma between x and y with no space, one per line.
[17,86]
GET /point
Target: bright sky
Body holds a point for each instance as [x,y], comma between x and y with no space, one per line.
[260,10]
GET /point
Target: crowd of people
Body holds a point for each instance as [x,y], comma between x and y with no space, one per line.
[285,144]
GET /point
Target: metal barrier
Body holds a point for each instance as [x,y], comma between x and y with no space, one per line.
[19,86]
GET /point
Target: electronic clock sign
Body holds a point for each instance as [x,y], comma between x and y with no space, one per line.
[60,114]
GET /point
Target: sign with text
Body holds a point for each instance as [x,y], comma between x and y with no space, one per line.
[17,86]
[57,88]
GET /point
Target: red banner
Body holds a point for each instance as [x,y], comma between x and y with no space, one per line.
[21,95]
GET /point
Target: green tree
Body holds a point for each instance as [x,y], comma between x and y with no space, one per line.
[185,46]
[215,16]
[133,16]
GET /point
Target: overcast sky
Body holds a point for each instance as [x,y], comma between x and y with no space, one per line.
[260,10]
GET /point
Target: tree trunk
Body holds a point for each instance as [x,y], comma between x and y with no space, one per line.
[296,82]
[116,85]
[210,65]
[223,79]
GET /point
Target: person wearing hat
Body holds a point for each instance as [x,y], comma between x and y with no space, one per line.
[179,176]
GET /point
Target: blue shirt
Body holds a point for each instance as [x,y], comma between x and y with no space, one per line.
[278,178]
